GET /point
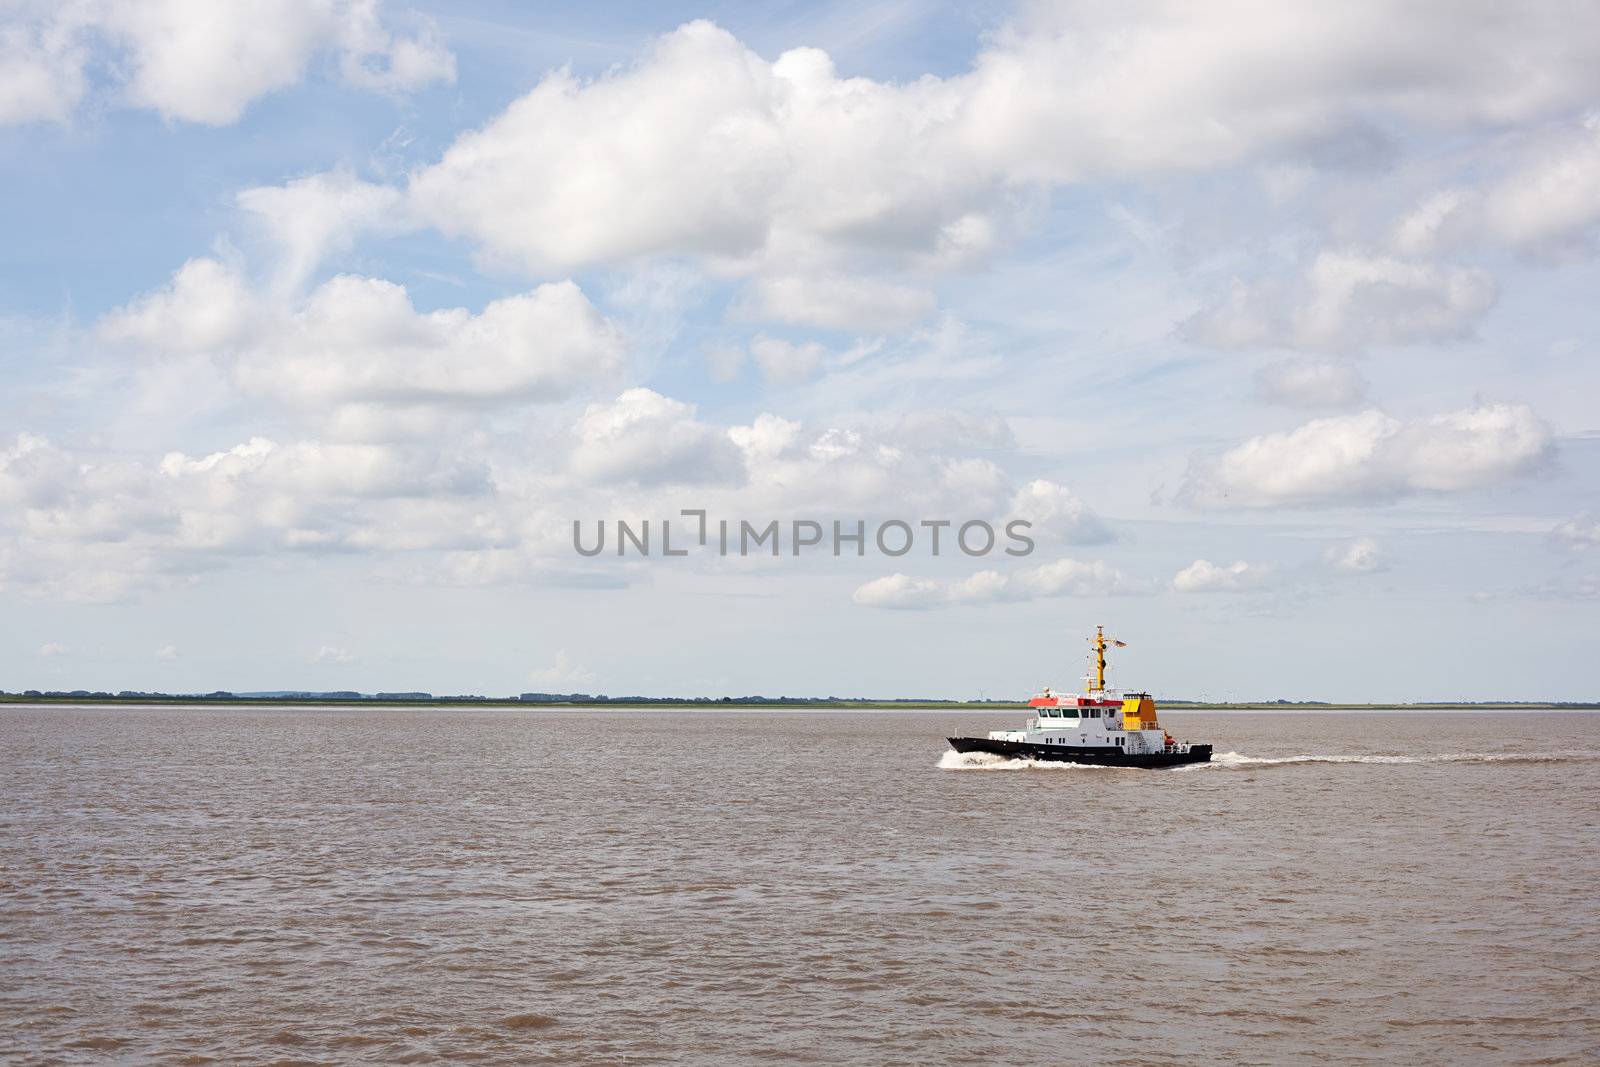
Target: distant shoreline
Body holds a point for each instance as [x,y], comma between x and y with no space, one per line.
[749,703]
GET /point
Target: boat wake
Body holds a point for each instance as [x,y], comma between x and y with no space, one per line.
[988,761]
[1237,760]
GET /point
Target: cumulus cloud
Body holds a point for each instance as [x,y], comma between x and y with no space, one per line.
[787,362]
[333,654]
[1062,578]
[202,62]
[643,437]
[1307,383]
[1545,202]
[1442,221]
[1579,533]
[357,340]
[1359,556]
[1551,205]
[372,56]
[42,61]
[205,307]
[837,302]
[88,528]
[1133,87]
[1058,514]
[1347,301]
[563,672]
[781,361]
[88,525]
[167,652]
[1372,457]
[635,456]
[1203,576]
[703,147]
[828,470]
[51,649]
[317,215]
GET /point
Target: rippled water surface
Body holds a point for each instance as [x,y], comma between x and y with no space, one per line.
[525,886]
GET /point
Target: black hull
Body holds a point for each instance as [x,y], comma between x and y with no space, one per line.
[1071,754]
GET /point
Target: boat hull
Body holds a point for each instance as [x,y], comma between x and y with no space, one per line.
[1098,756]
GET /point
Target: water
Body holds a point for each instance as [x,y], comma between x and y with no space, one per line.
[525,886]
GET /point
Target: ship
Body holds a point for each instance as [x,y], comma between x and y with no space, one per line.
[1102,726]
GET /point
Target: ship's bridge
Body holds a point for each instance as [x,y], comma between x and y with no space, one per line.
[1107,710]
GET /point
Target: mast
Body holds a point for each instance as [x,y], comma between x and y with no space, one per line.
[1100,643]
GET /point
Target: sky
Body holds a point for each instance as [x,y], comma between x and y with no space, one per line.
[322,322]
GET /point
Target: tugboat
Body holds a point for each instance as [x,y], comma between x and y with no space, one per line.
[1102,726]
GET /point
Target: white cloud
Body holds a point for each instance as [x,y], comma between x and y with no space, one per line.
[1359,556]
[333,654]
[51,649]
[371,56]
[904,592]
[1579,533]
[1551,204]
[837,302]
[834,471]
[702,147]
[1441,221]
[1203,576]
[1058,514]
[1347,301]
[202,62]
[643,437]
[90,525]
[633,457]
[1062,578]
[355,341]
[1373,457]
[785,361]
[1306,383]
[1544,202]
[563,672]
[943,429]
[205,63]
[206,307]
[89,528]
[167,652]
[41,66]
[1075,88]
[360,339]
[312,217]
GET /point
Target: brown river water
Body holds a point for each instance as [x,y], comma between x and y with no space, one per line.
[192,885]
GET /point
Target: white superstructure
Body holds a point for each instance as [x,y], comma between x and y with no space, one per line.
[1105,719]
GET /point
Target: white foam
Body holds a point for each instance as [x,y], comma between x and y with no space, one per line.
[1239,759]
[988,761]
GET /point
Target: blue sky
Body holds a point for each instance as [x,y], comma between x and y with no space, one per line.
[1277,322]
